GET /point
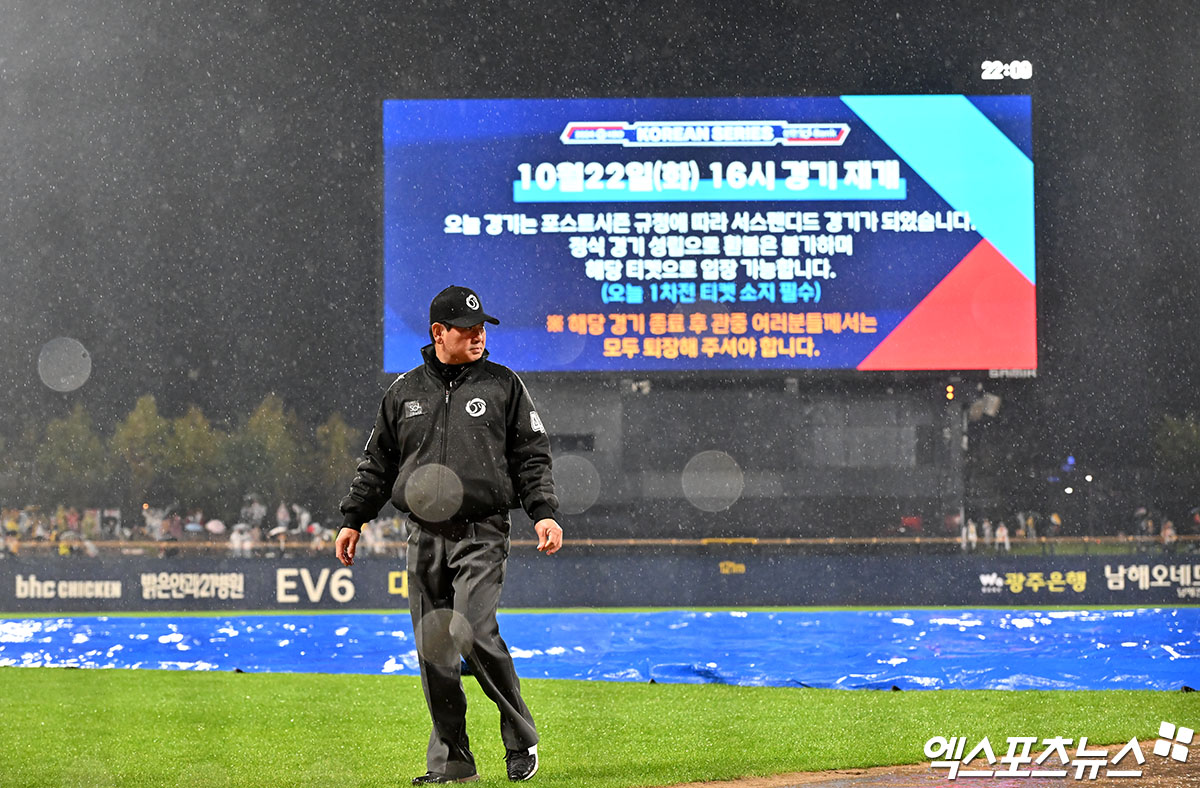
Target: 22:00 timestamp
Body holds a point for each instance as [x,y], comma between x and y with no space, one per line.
[998,69]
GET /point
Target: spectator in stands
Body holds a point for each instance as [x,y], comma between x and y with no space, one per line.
[154,519]
[301,518]
[283,517]
[40,528]
[279,533]
[1169,537]
[25,522]
[241,540]
[254,514]
[12,540]
[322,539]
[1002,538]
[11,524]
[1145,523]
[972,535]
[173,527]
[372,537]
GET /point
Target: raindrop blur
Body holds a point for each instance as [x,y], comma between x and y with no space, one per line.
[442,635]
[433,492]
[712,481]
[567,347]
[64,364]
[577,482]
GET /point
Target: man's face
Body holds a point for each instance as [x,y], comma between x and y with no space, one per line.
[459,345]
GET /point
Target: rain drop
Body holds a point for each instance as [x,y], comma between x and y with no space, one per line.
[64,364]
[712,481]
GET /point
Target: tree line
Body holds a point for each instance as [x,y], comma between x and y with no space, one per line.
[185,462]
[1177,459]
[190,463]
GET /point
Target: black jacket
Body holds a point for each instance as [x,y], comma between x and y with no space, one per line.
[482,426]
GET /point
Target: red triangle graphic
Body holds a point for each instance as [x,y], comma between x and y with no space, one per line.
[981,316]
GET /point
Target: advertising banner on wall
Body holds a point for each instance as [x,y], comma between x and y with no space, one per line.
[593,577]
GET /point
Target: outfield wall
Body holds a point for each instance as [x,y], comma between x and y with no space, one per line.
[720,576]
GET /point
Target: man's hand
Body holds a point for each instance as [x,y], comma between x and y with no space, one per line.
[549,535]
[347,543]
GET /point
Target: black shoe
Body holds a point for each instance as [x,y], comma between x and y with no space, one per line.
[522,764]
[430,777]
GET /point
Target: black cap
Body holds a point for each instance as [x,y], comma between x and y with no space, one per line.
[460,307]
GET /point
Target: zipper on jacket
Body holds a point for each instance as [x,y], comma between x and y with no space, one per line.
[446,424]
[445,443]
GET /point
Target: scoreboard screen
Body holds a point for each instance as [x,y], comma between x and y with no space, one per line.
[881,232]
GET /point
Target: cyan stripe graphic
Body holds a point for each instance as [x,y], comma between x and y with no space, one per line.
[964,158]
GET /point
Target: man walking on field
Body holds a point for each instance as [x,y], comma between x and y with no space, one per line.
[457,444]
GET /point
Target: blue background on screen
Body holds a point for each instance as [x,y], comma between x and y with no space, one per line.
[445,157]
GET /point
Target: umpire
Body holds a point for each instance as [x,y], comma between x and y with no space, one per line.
[456,445]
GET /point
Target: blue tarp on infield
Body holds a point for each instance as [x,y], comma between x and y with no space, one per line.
[909,649]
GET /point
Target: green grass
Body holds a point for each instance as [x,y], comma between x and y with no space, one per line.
[101,728]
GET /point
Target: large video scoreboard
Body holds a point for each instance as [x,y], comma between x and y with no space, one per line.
[886,232]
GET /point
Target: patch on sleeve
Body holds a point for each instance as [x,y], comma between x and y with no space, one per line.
[535,421]
[412,408]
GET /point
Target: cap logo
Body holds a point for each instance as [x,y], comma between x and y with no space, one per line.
[476,407]
[472,302]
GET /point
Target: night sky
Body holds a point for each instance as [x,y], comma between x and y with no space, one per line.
[192,189]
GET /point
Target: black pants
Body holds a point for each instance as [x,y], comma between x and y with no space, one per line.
[454,585]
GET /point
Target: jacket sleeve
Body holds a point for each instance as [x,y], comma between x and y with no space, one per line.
[529,463]
[372,485]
